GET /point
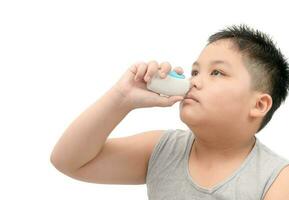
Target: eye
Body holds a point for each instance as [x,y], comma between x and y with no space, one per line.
[217,71]
[194,72]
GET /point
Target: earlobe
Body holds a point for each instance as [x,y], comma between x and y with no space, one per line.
[262,105]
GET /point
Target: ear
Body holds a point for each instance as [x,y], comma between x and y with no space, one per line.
[262,104]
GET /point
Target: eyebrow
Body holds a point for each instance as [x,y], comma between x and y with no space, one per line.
[213,63]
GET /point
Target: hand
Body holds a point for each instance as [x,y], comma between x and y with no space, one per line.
[132,85]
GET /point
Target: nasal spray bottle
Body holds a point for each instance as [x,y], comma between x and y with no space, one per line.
[173,85]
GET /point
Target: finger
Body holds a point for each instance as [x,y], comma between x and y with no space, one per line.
[141,69]
[133,68]
[165,69]
[179,70]
[169,101]
[151,70]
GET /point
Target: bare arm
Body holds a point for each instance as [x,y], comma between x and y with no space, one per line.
[279,188]
[84,152]
[86,135]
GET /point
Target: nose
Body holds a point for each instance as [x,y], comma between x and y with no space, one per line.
[196,82]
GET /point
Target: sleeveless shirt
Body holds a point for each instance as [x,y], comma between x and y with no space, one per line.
[168,176]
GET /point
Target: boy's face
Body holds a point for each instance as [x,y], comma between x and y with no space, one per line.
[223,89]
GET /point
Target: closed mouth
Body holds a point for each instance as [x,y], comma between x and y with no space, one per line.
[191,96]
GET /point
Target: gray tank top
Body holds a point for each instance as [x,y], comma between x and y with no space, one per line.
[168,174]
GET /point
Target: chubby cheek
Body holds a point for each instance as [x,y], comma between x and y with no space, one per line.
[225,104]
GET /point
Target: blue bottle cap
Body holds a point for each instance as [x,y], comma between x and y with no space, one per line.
[176,75]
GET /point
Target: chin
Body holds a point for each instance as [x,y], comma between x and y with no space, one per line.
[189,118]
[187,109]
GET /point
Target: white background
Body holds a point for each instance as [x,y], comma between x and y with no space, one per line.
[58,57]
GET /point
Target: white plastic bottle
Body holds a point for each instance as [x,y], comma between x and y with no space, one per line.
[173,85]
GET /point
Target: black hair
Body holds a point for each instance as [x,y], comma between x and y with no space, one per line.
[266,64]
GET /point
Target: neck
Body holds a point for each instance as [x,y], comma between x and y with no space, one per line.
[214,148]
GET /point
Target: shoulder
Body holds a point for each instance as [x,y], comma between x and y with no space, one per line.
[171,145]
[279,188]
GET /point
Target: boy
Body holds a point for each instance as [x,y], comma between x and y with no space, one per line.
[237,83]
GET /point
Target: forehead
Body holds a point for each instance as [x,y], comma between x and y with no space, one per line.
[220,52]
